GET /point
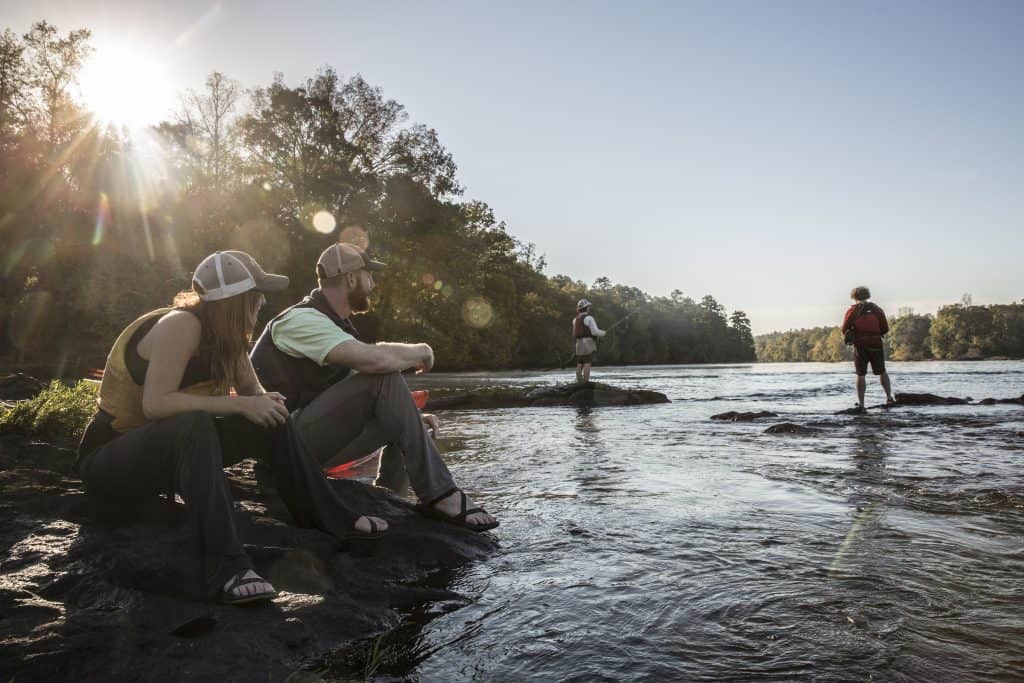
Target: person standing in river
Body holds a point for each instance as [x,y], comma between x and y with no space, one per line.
[585,332]
[864,325]
[349,398]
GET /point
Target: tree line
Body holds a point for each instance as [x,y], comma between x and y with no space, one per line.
[960,331]
[98,225]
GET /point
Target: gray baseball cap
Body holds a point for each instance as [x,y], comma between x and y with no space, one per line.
[229,273]
[344,258]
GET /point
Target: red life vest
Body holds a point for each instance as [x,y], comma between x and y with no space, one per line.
[579,330]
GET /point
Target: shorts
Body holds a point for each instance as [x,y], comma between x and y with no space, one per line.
[863,356]
[585,360]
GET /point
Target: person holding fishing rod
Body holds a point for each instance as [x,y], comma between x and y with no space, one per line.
[585,332]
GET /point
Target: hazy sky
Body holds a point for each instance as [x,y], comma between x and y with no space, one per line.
[773,154]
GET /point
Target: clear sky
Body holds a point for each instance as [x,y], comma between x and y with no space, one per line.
[773,154]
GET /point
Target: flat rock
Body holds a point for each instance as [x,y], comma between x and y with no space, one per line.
[903,400]
[592,394]
[791,428]
[84,598]
[929,400]
[1000,401]
[733,416]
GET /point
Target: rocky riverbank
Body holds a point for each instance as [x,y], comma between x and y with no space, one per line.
[93,594]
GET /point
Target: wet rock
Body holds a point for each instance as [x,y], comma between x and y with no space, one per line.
[791,428]
[929,400]
[856,410]
[592,394]
[733,416]
[87,598]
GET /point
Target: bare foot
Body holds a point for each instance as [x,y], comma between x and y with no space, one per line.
[371,525]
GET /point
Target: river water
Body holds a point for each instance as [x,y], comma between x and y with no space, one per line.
[651,543]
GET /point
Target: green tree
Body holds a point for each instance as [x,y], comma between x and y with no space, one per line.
[909,336]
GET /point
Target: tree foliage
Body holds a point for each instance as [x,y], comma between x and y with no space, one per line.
[92,234]
[959,331]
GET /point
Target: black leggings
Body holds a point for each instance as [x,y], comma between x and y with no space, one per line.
[179,454]
[186,454]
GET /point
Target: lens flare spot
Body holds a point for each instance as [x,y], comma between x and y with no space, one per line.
[102,218]
[477,312]
[428,279]
[14,256]
[324,222]
[355,234]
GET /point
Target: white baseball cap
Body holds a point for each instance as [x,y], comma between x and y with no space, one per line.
[226,274]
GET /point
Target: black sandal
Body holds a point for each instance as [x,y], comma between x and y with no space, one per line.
[430,510]
[375,533]
[229,597]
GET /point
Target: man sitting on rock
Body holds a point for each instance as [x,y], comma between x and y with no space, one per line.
[863,326]
[308,353]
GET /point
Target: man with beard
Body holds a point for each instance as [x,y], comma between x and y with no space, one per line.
[308,353]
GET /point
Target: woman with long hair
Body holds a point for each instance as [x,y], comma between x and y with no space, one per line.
[168,421]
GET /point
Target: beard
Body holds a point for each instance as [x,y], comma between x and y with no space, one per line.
[359,300]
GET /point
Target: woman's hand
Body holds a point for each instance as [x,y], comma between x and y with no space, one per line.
[275,396]
[264,410]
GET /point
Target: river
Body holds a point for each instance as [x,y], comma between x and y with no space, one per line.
[651,543]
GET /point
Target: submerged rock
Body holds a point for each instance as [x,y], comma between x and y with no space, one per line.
[733,416]
[856,410]
[92,594]
[592,394]
[1000,401]
[791,428]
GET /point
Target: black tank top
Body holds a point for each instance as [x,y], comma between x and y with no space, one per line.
[137,365]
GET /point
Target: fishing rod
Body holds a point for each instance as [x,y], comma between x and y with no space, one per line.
[620,321]
[612,327]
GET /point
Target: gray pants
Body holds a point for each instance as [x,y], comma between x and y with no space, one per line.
[364,412]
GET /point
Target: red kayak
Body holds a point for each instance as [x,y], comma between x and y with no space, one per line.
[350,468]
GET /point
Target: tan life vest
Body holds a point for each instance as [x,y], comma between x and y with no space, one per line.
[119,395]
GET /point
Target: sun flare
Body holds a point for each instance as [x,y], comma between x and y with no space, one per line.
[125,85]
